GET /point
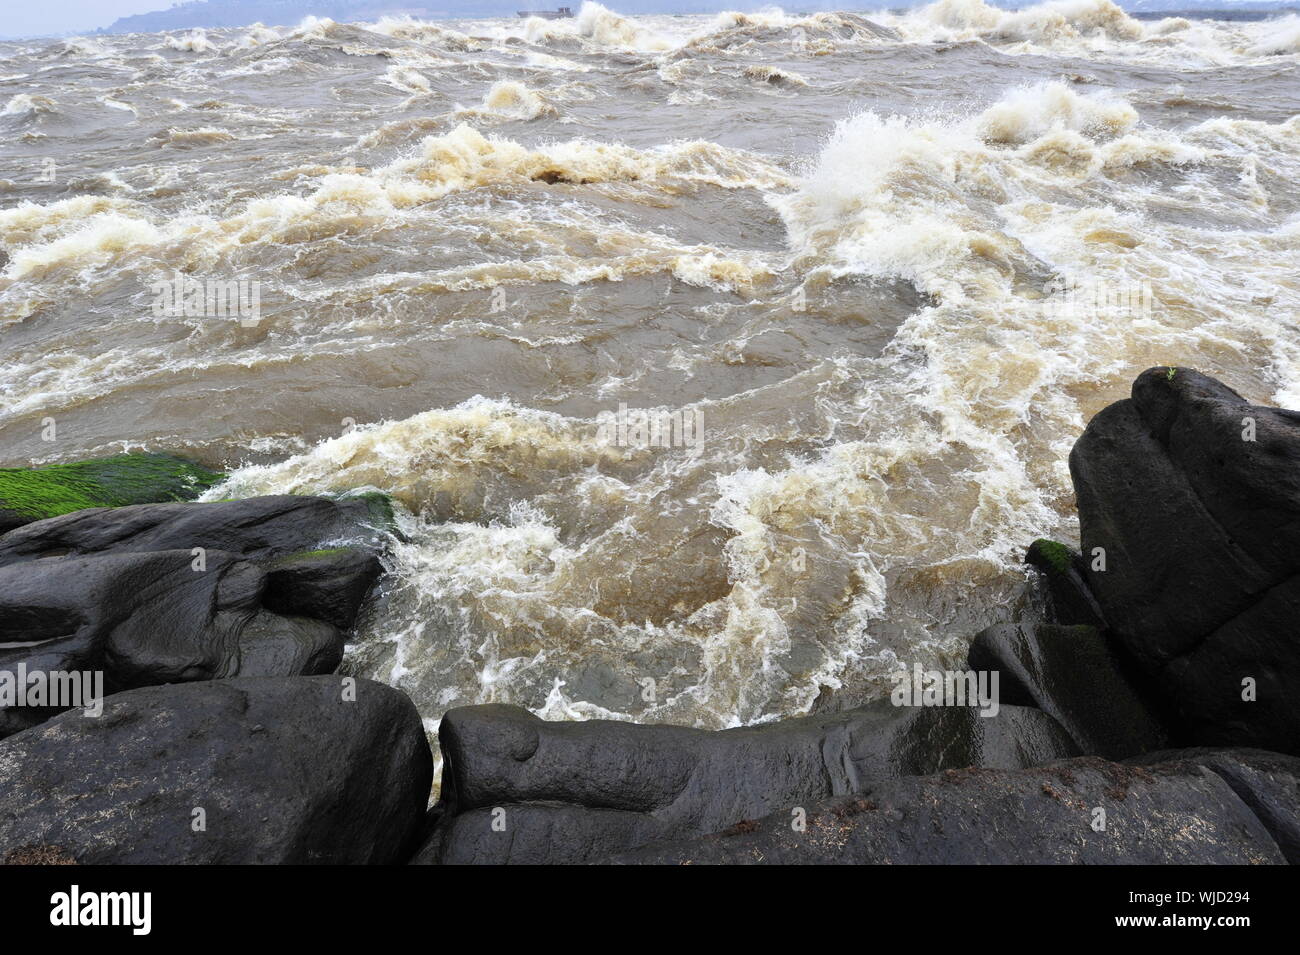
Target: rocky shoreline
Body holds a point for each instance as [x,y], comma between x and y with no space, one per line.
[1146,720]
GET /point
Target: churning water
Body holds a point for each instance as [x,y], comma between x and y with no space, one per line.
[873,274]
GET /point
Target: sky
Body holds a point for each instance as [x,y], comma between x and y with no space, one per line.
[23,18]
[27,18]
[49,17]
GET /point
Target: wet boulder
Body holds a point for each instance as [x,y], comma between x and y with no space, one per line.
[257,527]
[1083,811]
[588,784]
[149,594]
[1189,510]
[538,834]
[329,584]
[1069,601]
[279,770]
[1269,783]
[1072,674]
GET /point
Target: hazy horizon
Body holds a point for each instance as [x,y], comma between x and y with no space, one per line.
[71,17]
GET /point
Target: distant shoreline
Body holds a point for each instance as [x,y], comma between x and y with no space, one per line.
[1227,15]
[140,23]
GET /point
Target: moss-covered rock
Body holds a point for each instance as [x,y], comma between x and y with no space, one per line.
[33,494]
[380,509]
[1069,601]
[303,555]
[1051,556]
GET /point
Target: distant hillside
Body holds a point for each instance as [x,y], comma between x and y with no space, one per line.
[238,13]
[1229,8]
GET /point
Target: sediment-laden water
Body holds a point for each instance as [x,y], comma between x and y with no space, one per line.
[874,274]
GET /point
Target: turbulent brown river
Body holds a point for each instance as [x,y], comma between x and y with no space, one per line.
[868,275]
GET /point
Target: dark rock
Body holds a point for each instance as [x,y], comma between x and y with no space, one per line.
[327,584]
[1201,534]
[1071,674]
[539,834]
[1042,815]
[285,771]
[151,618]
[127,596]
[1269,783]
[1069,600]
[684,781]
[263,527]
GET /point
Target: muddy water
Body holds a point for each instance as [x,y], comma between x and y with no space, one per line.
[889,266]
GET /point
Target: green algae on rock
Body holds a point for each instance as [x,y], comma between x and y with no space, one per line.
[379,507]
[33,494]
[1050,555]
